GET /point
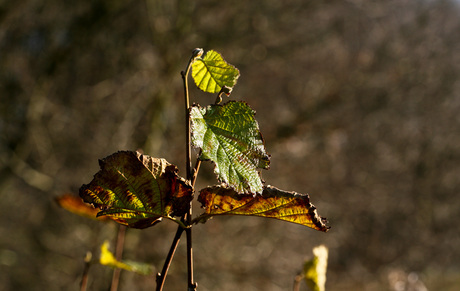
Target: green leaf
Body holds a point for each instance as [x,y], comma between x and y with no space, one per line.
[229,136]
[137,190]
[108,259]
[212,72]
[273,203]
[315,269]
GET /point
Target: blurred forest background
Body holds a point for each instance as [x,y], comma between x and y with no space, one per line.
[358,102]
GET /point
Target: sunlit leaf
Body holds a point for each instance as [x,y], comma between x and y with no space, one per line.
[108,259]
[212,72]
[76,205]
[273,203]
[315,269]
[229,136]
[137,190]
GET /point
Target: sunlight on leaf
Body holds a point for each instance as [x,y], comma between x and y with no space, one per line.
[76,205]
[229,136]
[212,72]
[108,259]
[273,203]
[315,269]
[137,190]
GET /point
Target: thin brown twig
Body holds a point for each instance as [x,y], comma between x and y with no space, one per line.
[192,285]
[162,276]
[188,162]
[195,171]
[118,255]
[297,280]
[84,277]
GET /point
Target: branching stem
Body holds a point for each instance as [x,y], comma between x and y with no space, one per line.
[187,218]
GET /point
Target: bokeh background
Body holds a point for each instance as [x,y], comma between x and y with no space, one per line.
[358,102]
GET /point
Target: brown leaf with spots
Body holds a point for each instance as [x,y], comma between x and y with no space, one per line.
[273,203]
[137,190]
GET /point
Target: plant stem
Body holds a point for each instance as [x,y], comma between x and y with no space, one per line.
[84,278]
[191,284]
[195,171]
[118,256]
[162,276]
[195,54]
[188,162]
[297,280]
[187,218]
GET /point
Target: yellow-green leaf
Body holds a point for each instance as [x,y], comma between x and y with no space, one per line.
[212,72]
[273,203]
[108,259]
[137,190]
[315,269]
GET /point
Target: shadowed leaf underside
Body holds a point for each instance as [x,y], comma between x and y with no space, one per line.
[273,203]
[137,190]
[229,136]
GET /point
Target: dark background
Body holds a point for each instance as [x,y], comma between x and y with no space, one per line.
[358,102]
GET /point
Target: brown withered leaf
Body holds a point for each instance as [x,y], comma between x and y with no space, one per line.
[273,203]
[137,190]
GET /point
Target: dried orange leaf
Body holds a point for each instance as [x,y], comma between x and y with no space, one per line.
[137,190]
[273,203]
[76,205]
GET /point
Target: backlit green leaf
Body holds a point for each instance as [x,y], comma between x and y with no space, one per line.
[315,269]
[273,203]
[212,72]
[138,190]
[229,136]
[108,259]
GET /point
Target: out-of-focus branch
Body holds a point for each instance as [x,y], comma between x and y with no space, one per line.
[24,171]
